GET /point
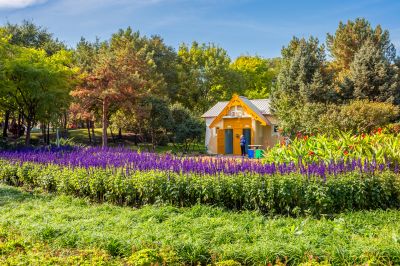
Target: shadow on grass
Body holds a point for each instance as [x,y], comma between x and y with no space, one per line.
[10,194]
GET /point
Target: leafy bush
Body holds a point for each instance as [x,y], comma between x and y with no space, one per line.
[228,263]
[145,257]
[379,147]
[290,194]
[358,117]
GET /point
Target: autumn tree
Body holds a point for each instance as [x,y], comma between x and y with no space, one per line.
[121,73]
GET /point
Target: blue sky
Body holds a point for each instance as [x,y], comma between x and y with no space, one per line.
[254,27]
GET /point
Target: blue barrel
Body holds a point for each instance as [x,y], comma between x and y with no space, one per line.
[250,153]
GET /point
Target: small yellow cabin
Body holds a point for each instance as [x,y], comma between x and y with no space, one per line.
[227,121]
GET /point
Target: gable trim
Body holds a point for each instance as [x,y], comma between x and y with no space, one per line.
[238,101]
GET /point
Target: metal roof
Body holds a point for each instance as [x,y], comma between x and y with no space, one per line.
[258,105]
[254,108]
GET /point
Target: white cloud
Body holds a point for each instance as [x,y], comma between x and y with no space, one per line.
[19,3]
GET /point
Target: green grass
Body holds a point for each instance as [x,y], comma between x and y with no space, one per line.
[48,229]
[80,136]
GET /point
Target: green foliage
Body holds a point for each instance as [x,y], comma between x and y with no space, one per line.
[381,147]
[187,236]
[311,89]
[205,76]
[259,75]
[37,85]
[373,77]
[154,117]
[145,257]
[291,194]
[360,116]
[300,82]
[350,37]
[187,128]
[357,117]
[228,263]
[29,35]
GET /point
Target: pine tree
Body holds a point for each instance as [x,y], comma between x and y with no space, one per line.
[373,76]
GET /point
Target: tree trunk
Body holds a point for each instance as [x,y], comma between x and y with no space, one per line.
[28,131]
[93,135]
[112,135]
[120,133]
[48,134]
[153,140]
[104,123]
[88,130]
[43,128]
[5,129]
[18,129]
[65,125]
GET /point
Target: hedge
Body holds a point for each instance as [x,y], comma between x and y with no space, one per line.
[292,194]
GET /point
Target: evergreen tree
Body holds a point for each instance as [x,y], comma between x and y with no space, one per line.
[300,81]
[373,77]
[348,40]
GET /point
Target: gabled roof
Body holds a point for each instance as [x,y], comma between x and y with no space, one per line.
[263,105]
[246,104]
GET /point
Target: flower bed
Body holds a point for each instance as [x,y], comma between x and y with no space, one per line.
[133,161]
[289,193]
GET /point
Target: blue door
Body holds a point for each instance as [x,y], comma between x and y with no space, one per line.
[228,141]
[247,136]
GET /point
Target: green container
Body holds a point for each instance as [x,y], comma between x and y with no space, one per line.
[259,154]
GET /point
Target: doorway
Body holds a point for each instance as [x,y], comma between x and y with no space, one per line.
[247,136]
[228,141]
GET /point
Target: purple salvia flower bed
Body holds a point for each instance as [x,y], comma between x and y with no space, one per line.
[132,161]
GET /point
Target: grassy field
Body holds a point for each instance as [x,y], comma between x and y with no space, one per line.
[46,229]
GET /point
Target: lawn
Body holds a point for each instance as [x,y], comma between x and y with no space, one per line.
[48,229]
[80,137]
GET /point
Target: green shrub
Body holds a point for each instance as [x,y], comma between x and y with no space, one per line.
[228,263]
[145,257]
[292,194]
[358,117]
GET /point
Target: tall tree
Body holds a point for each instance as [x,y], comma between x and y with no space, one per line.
[258,74]
[300,81]
[373,77]
[37,84]
[348,40]
[205,76]
[28,34]
[120,74]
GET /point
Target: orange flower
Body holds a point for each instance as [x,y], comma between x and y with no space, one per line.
[305,137]
[346,153]
[363,135]
[311,153]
